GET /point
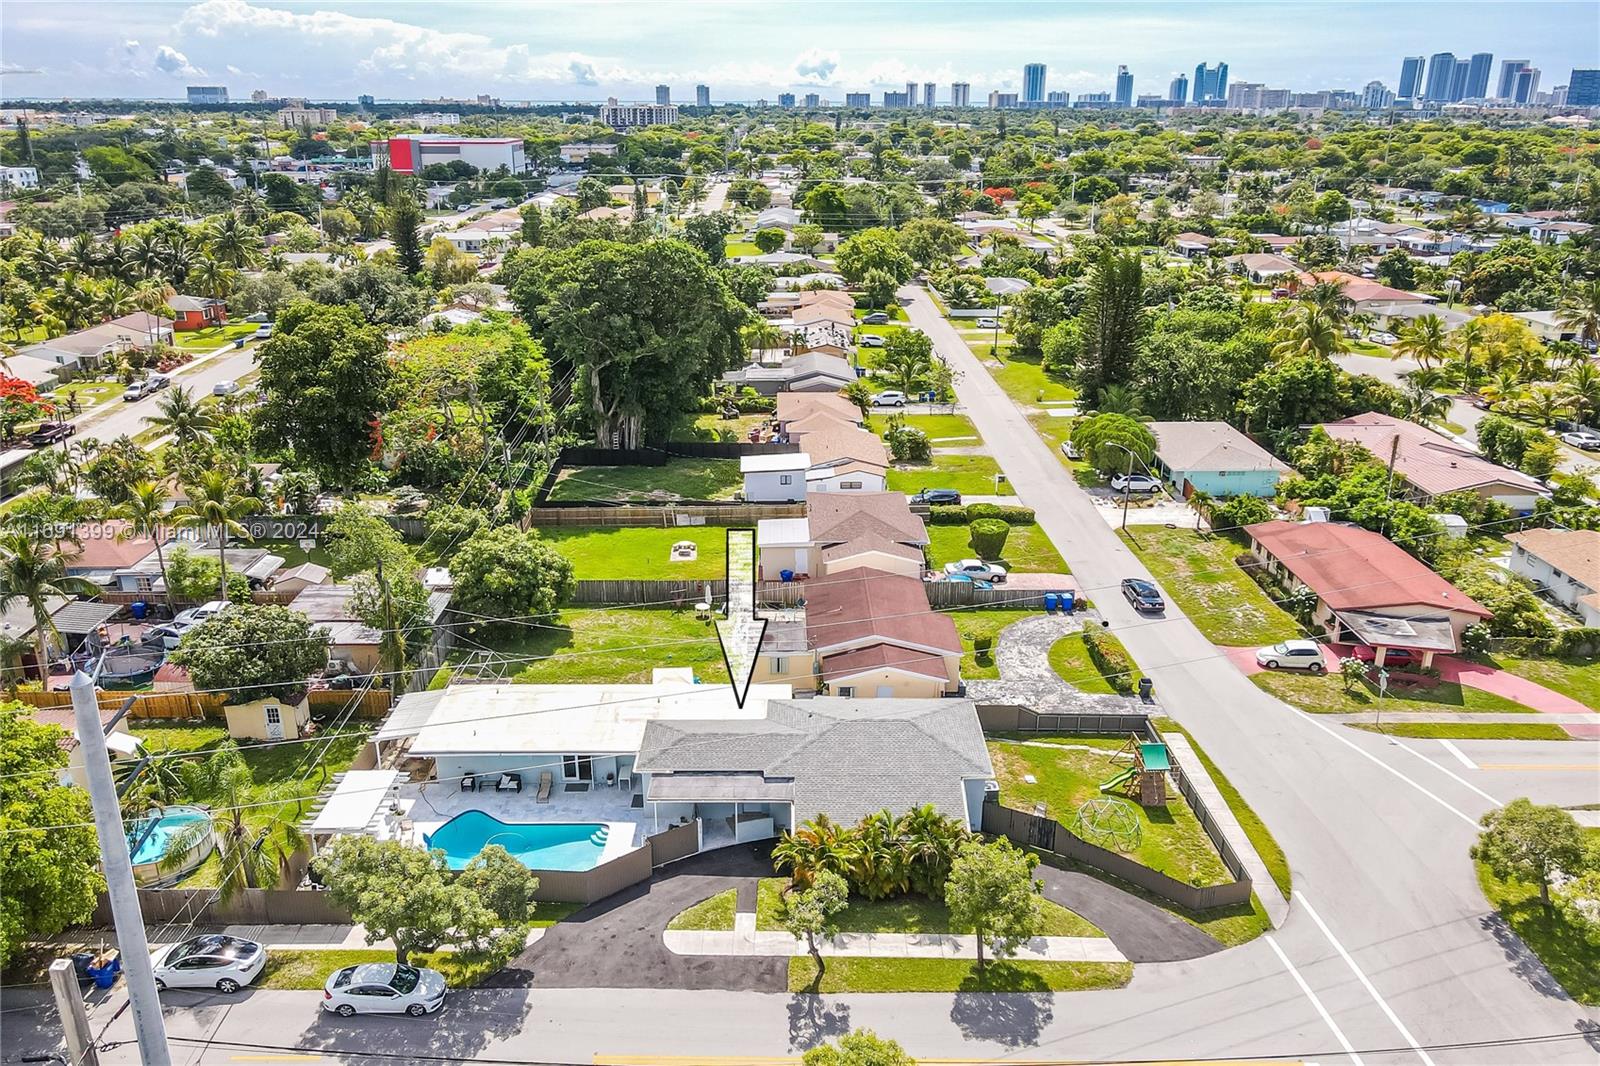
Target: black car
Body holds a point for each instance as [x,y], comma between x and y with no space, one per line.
[50,432]
[938,496]
[877,318]
[1143,595]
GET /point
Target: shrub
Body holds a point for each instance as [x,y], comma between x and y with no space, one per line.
[1577,643]
[1110,660]
[988,537]
[947,515]
[1239,511]
[1016,516]
[1475,639]
[907,444]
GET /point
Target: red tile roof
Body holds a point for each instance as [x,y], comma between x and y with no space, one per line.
[877,657]
[1355,569]
[859,604]
[1363,290]
[1430,461]
[102,550]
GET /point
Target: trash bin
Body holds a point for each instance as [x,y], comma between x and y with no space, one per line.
[1049,603]
[1146,686]
[105,976]
[785,575]
[239,343]
[138,608]
[1067,600]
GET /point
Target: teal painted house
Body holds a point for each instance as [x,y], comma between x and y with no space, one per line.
[1214,457]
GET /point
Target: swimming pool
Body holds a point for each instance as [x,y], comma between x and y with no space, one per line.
[151,837]
[538,846]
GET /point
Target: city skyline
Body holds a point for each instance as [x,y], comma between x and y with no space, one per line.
[337,49]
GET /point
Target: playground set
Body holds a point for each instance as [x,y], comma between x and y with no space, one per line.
[1146,779]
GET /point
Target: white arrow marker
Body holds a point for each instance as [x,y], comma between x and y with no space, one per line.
[741,632]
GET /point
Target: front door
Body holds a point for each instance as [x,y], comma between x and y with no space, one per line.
[274,723]
[885,692]
[577,767]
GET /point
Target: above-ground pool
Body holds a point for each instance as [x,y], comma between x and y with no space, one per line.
[538,846]
[151,837]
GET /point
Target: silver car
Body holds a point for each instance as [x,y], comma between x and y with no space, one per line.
[225,963]
[384,988]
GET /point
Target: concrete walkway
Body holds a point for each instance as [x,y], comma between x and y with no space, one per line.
[1501,683]
[745,939]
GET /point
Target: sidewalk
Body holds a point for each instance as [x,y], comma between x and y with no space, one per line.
[746,939]
[1266,888]
[272,937]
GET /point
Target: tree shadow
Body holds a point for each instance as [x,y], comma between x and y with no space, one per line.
[1524,963]
[463,1028]
[1003,1004]
[812,1019]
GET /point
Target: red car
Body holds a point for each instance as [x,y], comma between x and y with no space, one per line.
[1394,658]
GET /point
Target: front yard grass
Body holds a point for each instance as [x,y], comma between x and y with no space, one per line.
[1069,658]
[979,628]
[1025,380]
[715,913]
[1467,730]
[901,914]
[680,479]
[90,393]
[1571,959]
[1027,549]
[1199,574]
[598,645]
[955,430]
[204,340]
[733,246]
[1578,678]
[639,553]
[856,974]
[1325,694]
[970,475]
[1171,840]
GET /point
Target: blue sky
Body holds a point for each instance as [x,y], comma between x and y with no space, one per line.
[585,50]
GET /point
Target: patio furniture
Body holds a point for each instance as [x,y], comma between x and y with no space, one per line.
[509,783]
[545,780]
[469,782]
[611,780]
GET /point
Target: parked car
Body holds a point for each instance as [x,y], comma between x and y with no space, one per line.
[225,387]
[1397,658]
[263,332]
[384,988]
[876,318]
[137,391]
[872,340]
[1582,438]
[1143,594]
[1069,451]
[49,433]
[157,382]
[1135,483]
[168,633]
[988,323]
[214,960]
[977,583]
[196,615]
[977,568]
[891,398]
[1280,294]
[1291,655]
[1382,337]
[938,496]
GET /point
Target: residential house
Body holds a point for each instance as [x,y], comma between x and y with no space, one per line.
[780,260]
[197,312]
[1193,245]
[1546,325]
[297,579]
[1215,458]
[842,532]
[812,372]
[350,639]
[1264,268]
[88,347]
[42,373]
[1558,232]
[799,281]
[1396,316]
[1564,564]
[1006,286]
[145,575]
[1366,295]
[784,218]
[822,327]
[874,635]
[1432,464]
[1369,590]
[100,549]
[779,478]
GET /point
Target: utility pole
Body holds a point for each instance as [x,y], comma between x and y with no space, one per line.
[74,1019]
[149,1028]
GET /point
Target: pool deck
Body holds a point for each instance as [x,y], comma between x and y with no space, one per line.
[430,804]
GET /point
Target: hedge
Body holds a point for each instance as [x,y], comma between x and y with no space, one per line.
[945,515]
[988,538]
[1110,660]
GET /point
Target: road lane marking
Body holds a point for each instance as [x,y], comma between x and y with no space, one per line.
[1451,774]
[1553,766]
[1362,977]
[1315,1002]
[1460,755]
[1365,754]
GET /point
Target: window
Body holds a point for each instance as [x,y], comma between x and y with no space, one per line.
[274,716]
[786,479]
[577,767]
[849,484]
[778,664]
[847,691]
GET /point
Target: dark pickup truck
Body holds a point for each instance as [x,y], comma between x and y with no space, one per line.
[50,432]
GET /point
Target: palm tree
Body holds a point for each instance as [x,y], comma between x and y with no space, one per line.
[1362,322]
[878,866]
[1423,404]
[215,503]
[254,838]
[1119,400]
[213,276]
[1504,385]
[1582,385]
[146,514]
[1424,339]
[1307,330]
[1464,365]
[763,334]
[929,841]
[183,416]
[232,242]
[1329,298]
[1544,402]
[812,847]
[1579,310]
[33,572]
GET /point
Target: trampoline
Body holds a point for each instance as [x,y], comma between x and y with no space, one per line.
[131,663]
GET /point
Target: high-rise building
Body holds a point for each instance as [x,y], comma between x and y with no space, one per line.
[1000,99]
[1055,98]
[960,94]
[1376,96]
[1458,80]
[208,94]
[813,100]
[702,96]
[628,116]
[895,100]
[1178,91]
[1480,66]
[1210,83]
[1441,75]
[857,99]
[1526,88]
[663,95]
[786,99]
[1508,77]
[1124,96]
[930,93]
[1033,84]
[1411,77]
[366,100]
[1092,100]
[1558,96]
[1583,89]
[911,94]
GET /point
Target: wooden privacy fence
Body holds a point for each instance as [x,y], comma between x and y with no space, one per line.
[374,703]
[647,593]
[695,449]
[660,516]
[966,594]
[1008,719]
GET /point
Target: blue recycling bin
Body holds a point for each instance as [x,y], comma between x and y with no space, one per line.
[1049,603]
[105,976]
[1068,601]
[786,575]
[138,608]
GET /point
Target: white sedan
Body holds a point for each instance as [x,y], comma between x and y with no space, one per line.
[1135,483]
[1582,438]
[384,988]
[889,399]
[225,963]
[988,323]
[225,388]
[976,569]
[1292,655]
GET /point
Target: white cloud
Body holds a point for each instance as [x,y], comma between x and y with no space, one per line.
[583,73]
[174,62]
[130,46]
[816,67]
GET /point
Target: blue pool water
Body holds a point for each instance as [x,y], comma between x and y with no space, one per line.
[152,845]
[541,846]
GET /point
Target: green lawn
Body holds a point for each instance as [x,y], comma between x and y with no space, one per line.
[954,430]
[983,626]
[602,554]
[1025,380]
[292,554]
[1578,678]
[971,475]
[1571,959]
[682,479]
[1199,575]
[709,427]
[308,969]
[1069,657]
[1027,549]
[90,393]
[733,246]
[1171,842]
[204,340]
[901,914]
[599,645]
[715,913]
[896,315]
[1326,694]
[1260,836]
[1467,730]
[953,975]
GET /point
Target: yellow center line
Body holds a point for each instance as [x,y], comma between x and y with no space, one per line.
[1554,766]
